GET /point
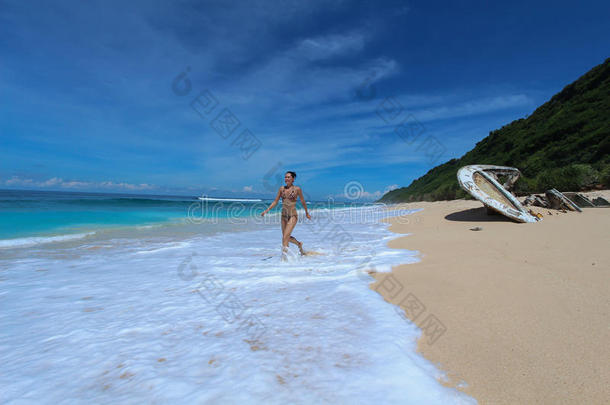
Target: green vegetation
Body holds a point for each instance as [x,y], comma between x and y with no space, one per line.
[564,144]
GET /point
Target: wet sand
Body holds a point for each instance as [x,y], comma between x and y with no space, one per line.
[520,313]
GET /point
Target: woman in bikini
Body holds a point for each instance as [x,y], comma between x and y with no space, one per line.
[289,194]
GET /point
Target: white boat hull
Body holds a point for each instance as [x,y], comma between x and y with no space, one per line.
[479,181]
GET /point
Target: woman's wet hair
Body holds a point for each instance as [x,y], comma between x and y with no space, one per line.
[293,174]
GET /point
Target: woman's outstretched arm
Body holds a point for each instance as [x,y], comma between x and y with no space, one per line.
[304,203]
[274,203]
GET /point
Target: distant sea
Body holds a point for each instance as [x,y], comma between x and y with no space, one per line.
[48,213]
[51,214]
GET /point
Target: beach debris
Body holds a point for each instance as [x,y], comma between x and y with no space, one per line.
[536,214]
[559,201]
[570,200]
[579,200]
[601,202]
[482,182]
[536,201]
[510,174]
[476,228]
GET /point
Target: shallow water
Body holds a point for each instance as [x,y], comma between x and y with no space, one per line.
[163,315]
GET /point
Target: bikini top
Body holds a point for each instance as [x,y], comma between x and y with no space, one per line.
[291,195]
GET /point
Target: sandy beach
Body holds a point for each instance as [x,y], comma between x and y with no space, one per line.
[513,313]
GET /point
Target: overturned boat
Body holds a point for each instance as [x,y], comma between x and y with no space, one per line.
[560,201]
[482,182]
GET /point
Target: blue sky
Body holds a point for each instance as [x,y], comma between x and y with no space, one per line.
[91,98]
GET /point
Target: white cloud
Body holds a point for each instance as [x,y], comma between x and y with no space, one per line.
[325,47]
[52,182]
[127,186]
[469,108]
[76,184]
[294,78]
[390,188]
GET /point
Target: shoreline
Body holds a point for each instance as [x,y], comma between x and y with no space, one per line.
[513,313]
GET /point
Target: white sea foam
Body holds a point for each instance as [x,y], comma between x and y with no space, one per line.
[230,199]
[219,319]
[180,245]
[39,240]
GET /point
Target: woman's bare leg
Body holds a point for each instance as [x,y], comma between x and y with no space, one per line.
[299,244]
[290,224]
[284,221]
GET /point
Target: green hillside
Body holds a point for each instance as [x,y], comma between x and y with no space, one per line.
[564,144]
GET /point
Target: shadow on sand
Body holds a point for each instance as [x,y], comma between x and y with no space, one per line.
[476,215]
